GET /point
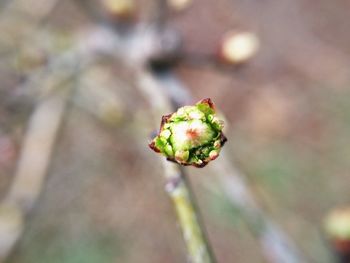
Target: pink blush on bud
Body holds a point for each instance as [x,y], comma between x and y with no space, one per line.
[192,134]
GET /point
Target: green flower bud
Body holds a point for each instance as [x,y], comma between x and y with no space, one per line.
[190,136]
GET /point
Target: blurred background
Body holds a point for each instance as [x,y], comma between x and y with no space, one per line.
[78,182]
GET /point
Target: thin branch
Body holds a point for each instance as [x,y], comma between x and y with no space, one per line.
[36,151]
[178,188]
[193,232]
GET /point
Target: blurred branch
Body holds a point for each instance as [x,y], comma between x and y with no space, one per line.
[161,13]
[37,149]
[32,166]
[275,243]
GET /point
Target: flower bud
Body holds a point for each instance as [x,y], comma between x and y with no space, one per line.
[190,136]
[238,47]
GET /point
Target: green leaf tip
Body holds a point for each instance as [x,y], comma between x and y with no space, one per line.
[190,136]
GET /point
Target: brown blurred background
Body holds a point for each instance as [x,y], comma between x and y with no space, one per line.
[101,196]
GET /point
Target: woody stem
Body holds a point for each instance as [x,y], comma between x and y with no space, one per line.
[177,187]
[193,233]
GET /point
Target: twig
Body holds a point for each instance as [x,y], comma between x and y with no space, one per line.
[36,151]
[193,233]
[177,186]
